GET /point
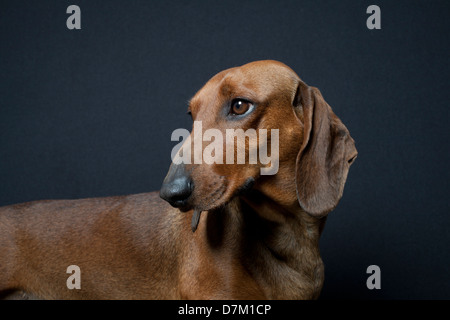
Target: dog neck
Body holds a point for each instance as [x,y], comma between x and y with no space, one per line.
[285,231]
[279,246]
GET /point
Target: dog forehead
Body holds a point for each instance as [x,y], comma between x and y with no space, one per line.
[269,68]
[256,80]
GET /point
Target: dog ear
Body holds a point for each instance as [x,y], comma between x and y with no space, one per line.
[325,156]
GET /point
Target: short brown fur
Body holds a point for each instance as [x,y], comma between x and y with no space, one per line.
[260,244]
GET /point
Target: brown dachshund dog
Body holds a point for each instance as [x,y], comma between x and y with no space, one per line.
[257,236]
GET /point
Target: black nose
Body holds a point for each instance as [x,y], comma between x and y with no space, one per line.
[176,188]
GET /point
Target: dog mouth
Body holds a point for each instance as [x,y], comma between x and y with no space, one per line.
[220,196]
[182,205]
[247,186]
[214,200]
[212,203]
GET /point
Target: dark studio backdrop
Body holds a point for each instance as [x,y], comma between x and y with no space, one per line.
[90,112]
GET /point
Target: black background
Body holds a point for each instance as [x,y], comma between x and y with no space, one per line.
[87,113]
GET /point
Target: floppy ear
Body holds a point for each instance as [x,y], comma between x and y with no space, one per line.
[326,153]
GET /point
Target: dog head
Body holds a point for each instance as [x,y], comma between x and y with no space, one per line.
[278,116]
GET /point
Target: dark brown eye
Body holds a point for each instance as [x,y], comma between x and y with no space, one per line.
[239,106]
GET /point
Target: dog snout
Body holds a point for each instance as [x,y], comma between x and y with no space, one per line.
[177,187]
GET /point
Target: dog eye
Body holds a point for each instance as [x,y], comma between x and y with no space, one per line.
[240,107]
